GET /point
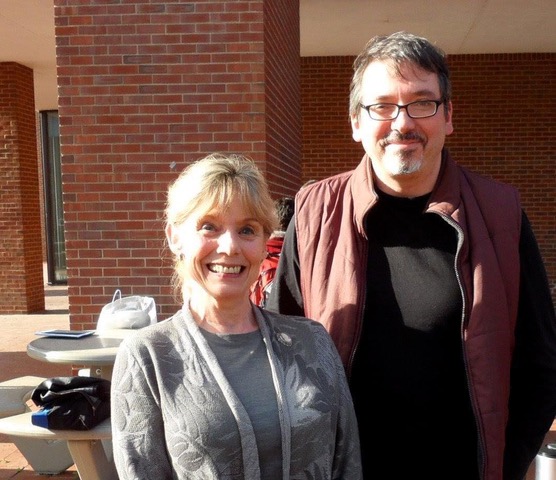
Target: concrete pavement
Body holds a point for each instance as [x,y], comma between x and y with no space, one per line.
[17,332]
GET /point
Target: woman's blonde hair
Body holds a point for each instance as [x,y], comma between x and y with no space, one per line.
[214,181]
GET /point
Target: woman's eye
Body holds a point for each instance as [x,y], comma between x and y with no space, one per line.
[247,231]
[209,227]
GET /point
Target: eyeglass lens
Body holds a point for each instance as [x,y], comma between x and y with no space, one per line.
[390,111]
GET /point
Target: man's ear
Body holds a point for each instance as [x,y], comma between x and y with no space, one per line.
[355,127]
[173,238]
[449,124]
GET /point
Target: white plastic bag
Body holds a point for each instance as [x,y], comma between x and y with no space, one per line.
[127,312]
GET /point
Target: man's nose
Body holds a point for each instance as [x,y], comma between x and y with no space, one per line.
[403,122]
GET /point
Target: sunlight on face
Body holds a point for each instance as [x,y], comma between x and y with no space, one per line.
[222,250]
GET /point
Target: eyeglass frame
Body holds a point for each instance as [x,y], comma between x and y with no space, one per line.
[399,107]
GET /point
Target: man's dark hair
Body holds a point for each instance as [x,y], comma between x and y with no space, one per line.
[398,49]
[284,210]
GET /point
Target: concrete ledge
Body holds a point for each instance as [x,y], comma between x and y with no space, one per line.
[21,426]
[14,394]
[90,450]
[47,456]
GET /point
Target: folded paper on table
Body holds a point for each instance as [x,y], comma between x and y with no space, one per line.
[56,333]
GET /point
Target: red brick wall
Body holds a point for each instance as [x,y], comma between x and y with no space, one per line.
[21,253]
[504,127]
[144,89]
[503,118]
[327,146]
[282,116]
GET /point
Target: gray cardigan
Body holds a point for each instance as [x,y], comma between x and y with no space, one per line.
[175,416]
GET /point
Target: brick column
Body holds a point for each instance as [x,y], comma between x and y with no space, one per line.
[21,276]
[145,88]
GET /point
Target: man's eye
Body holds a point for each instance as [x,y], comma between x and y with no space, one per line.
[383,107]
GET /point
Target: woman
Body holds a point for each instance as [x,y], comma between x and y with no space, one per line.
[224,389]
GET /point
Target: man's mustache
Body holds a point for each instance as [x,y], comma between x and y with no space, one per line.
[395,136]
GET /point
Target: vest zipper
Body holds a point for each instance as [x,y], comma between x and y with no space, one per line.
[478,423]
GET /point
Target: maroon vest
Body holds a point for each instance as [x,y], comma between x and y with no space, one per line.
[332,247]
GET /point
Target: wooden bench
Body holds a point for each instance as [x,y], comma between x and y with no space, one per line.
[46,457]
[92,458]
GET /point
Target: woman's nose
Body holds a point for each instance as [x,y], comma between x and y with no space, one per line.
[227,243]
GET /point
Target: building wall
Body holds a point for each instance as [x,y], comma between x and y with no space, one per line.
[144,90]
[505,127]
[282,113]
[504,124]
[21,252]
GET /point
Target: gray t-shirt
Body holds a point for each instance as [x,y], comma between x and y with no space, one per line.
[244,361]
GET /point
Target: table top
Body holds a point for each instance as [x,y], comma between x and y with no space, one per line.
[97,349]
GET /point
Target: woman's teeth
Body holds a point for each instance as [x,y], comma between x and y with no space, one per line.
[222,269]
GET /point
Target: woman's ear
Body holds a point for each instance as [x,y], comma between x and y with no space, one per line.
[173,238]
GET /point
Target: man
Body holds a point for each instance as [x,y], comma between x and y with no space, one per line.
[430,281]
[267,271]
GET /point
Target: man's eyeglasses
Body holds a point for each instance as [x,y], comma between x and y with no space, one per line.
[390,111]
